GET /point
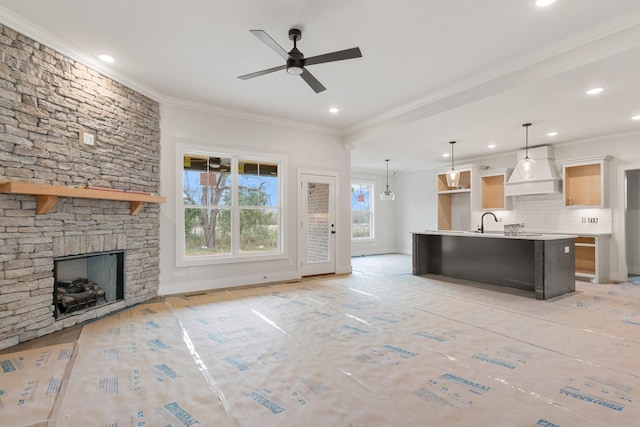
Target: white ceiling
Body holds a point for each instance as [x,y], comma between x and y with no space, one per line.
[432,71]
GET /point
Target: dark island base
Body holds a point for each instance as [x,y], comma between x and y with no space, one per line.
[540,266]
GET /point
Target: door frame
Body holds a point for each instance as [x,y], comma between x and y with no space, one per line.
[619,223]
[302,210]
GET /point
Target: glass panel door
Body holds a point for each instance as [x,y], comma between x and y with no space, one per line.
[318,224]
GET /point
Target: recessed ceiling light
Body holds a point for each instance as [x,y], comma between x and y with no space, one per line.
[446,155]
[635,117]
[554,133]
[334,110]
[491,146]
[543,3]
[595,90]
[107,58]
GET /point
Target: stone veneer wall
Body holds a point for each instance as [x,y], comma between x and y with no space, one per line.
[45,100]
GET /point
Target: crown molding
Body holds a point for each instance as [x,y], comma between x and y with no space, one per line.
[29,29]
[245,115]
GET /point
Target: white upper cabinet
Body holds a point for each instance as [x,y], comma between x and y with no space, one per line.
[584,182]
[492,187]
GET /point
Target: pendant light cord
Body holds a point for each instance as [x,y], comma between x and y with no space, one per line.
[452,142]
[387,160]
[526,141]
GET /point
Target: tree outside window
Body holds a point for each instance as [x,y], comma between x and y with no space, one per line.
[231,206]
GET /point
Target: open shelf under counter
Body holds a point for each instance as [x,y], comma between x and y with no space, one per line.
[47,195]
[592,257]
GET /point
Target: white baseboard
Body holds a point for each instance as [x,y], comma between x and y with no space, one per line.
[234,282]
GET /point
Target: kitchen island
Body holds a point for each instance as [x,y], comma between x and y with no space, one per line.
[541,263]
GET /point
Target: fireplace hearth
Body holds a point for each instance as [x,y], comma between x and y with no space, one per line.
[88,280]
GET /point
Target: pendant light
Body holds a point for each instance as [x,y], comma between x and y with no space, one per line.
[387,195]
[526,166]
[453,176]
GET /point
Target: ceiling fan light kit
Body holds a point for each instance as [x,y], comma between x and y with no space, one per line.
[295,62]
[294,70]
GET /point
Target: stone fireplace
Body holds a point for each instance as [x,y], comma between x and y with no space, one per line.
[46,101]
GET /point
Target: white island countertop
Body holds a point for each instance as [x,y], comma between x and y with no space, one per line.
[496,235]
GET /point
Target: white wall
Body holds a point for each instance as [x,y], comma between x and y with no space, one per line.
[633,222]
[304,150]
[416,207]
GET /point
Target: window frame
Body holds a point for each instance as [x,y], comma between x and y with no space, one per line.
[372,210]
[182,260]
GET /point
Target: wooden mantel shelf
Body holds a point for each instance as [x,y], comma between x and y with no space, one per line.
[47,195]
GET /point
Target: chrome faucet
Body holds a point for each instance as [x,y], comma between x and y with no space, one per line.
[482,220]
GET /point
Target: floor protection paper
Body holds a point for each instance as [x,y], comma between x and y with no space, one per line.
[379,347]
[30,383]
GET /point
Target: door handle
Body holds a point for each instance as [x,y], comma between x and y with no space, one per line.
[333,231]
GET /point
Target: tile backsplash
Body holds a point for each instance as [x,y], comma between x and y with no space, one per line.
[546,213]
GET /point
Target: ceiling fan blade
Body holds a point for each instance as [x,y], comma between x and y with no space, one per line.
[312,81]
[262,73]
[266,39]
[334,56]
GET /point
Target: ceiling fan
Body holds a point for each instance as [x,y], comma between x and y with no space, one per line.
[295,60]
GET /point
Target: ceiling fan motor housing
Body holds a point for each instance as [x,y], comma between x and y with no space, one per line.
[295,63]
[295,34]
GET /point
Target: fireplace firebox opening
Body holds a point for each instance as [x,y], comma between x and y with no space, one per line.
[87,280]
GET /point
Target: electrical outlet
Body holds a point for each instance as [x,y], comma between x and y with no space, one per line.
[567,250]
[192,271]
[87,138]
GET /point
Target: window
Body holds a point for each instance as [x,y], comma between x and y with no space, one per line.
[362,210]
[231,206]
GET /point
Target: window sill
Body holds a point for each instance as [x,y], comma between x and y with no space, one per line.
[217,260]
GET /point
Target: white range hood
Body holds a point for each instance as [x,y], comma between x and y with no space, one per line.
[546,178]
